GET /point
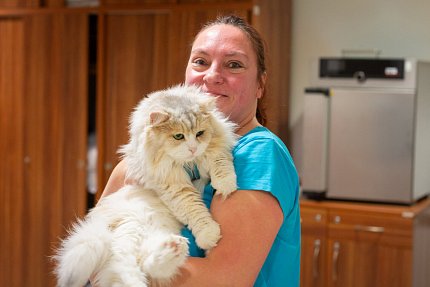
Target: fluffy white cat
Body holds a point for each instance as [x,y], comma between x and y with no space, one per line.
[132,237]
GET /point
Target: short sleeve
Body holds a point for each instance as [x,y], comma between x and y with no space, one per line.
[262,162]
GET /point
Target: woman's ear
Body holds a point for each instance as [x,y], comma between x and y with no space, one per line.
[262,85]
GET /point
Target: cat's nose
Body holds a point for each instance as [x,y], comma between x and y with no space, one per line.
[192,149]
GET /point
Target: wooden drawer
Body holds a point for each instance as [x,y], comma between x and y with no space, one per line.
[371,221]
[357,225]
[314,220]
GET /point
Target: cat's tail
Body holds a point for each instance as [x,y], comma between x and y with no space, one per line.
[81,253]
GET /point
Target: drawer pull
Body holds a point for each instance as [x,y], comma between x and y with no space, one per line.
[315,268]
[374,229]
[335,259]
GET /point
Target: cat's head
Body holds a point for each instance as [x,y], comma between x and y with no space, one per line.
[177,122]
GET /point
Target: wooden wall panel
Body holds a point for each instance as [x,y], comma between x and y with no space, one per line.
[11,149]
[136,2]
[19,3]
[43,94]
[135,63]
[55,134]
[273,21]
[32,3]
[211,1]
[54,3]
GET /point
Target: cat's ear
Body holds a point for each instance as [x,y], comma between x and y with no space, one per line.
[156,118]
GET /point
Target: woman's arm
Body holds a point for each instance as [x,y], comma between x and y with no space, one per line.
[116,179]
[250,221]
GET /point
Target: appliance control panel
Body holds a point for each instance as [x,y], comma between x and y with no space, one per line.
[361,69]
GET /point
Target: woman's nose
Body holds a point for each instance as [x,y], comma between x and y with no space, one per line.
[213,76]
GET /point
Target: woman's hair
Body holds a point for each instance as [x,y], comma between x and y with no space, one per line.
[259,48]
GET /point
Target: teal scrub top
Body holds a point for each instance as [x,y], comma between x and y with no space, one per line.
[262,162]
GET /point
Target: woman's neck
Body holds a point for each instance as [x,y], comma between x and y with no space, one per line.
[247,126]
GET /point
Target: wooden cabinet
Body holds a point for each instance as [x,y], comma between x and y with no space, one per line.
[365,244]
[43,100]
[314,246]
[374,246]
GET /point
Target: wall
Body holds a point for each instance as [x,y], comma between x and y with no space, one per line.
[323,28]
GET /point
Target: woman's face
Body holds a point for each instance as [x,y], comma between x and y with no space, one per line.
[224,64]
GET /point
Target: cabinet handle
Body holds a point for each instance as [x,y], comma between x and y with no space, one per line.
[374,229]
[315,265]
[336,250]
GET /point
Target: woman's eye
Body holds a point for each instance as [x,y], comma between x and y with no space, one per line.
[178,137]
[200,133]
[199,62]
[235,65]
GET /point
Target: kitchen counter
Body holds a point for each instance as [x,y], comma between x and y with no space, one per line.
[406,211]
[365,244]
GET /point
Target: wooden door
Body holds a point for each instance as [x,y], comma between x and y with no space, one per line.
[369,250]
[43,65]
[11,149]
[313,247]
[133,62]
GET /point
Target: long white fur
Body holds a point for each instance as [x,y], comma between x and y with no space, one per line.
[132,237]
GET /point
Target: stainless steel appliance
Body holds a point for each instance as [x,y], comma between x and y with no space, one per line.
[366,133]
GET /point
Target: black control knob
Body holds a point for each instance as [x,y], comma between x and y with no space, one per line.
[360,76]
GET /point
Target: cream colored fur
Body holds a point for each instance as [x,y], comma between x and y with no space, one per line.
[132,237]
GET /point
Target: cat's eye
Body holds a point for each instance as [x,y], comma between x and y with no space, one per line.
[200,133]
[178,137]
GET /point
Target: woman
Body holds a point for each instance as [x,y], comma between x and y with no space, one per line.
[260,222]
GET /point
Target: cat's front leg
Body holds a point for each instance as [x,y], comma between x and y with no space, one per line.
[223,176]
[162,255]
[207,232]
[187,206]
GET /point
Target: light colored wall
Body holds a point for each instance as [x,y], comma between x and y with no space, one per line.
[398,28]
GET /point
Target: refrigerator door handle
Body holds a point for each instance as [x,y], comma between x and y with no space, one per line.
[323,91]
[315,136]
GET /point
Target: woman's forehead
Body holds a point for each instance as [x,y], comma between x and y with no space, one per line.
[231,38]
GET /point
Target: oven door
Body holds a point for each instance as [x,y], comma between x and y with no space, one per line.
[370,145]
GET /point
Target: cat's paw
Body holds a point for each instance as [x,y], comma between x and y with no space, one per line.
[166,257]
[208,237]
[226,185]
